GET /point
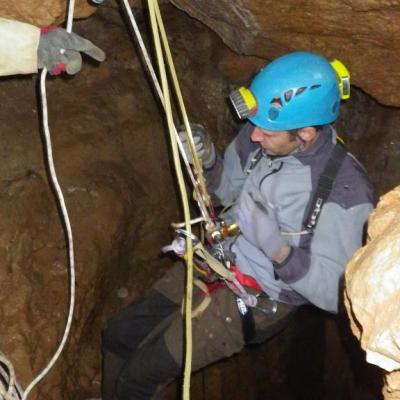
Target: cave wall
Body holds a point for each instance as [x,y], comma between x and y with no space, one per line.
[111,155]
[44,13]
[373,292]
[361,33]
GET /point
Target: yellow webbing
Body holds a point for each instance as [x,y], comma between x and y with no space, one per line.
[206,300]
[213,263]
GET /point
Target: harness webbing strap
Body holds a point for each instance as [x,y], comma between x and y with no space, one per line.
[248,322]
[212,262]
[246,280]
[325,184]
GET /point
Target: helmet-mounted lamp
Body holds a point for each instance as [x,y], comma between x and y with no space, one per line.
[243,102]
[343,75]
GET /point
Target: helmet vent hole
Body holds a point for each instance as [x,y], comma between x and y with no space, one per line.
[315,87]
[288,95]
[300,90]
[276,102]
[335,107]
[273,113]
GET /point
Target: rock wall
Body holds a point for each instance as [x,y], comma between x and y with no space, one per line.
[44,13]
[361,33]
[111,155]
[373,292]
[112,159]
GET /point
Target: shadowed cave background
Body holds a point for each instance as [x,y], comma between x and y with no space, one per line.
[111,155]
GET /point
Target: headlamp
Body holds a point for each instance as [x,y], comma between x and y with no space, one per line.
[343,75]
[243,102]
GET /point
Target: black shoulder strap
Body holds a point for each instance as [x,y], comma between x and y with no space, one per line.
[324,187]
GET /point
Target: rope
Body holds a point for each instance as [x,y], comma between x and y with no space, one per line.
[65,216]
[11,390]
[157,30]
[182,108]
[198,184]
[14,391]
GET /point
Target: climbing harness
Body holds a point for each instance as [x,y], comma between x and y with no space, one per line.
[324,187]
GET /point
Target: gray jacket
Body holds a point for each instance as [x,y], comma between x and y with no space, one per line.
[314,269]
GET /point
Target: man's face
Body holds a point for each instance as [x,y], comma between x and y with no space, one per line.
[275,143]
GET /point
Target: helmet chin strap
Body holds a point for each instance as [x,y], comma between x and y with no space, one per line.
[302,146]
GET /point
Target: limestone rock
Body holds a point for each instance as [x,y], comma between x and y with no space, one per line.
[110,154]
[391,390]
[373,290]
[359,32]
[43,13]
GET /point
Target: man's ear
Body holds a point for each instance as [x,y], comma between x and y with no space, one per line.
[307,134]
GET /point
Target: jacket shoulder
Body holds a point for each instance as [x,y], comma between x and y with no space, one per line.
[243,144]
[352,185]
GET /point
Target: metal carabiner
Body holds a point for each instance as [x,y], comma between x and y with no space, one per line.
[273,304]
[184,233]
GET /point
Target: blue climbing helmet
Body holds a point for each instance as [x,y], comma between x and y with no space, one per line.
[296,90]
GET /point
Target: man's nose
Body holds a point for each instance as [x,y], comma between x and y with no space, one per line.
[257,135]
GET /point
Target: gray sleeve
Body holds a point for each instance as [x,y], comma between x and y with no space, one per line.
[315,268]
[232,177]
[226,177]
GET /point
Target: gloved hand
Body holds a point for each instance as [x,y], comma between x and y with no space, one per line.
[259,225]
[54,41]
[204,146]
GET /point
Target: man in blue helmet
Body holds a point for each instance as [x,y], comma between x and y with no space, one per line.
[301,202]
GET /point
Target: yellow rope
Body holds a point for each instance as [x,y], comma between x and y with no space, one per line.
[157,28]
[196,161]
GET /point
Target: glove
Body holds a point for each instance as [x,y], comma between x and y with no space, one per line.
[54,41]
[259,225]
[204,147]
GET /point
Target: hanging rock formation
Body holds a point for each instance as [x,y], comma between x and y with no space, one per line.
[359,32]
[373,292]
[43,13]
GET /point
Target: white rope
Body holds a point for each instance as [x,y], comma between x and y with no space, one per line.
[61,201]
[14,390]
[70,15]
[9,388]
[199,198]
[193,221]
